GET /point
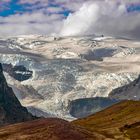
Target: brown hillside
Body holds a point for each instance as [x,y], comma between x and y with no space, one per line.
[120,121]
[46,129]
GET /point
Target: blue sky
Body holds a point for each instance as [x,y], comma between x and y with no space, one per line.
[10,7]
[16,7]
[135,7]
[57,16]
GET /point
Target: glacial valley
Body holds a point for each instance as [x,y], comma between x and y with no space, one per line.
[50,75]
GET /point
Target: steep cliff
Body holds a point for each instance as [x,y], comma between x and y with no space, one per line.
[130,91]
[11,110]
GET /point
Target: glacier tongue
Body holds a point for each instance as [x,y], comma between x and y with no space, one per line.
[66,69]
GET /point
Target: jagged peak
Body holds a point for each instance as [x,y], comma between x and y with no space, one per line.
[1,69]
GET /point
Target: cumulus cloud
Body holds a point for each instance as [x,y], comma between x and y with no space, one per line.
[54,10]
[72,5]
[81,21]
[86,17]
[34,23]
[108,17]
[32,1]
[68,4]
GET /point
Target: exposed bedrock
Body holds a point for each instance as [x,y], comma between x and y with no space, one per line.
[11,111]
[84,107]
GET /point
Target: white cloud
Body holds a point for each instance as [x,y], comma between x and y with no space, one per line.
[32,1]
[108,17]
[88,17]
[54,9]
[81,21]
[72,5]
[35,23]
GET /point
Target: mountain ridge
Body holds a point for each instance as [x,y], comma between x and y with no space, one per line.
[130,91]
[47,73]
[11,110]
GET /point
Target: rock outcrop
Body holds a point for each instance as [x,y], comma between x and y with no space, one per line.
[19,73]
[84,107]
[130,91]
[11,110]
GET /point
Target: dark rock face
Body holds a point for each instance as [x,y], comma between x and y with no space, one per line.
[11,110]
[98,54]
[19,73]
[84,107]
[1,69]
[127,92]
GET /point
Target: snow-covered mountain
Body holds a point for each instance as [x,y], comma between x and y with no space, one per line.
[47,73]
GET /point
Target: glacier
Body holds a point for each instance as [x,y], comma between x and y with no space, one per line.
[65,69]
